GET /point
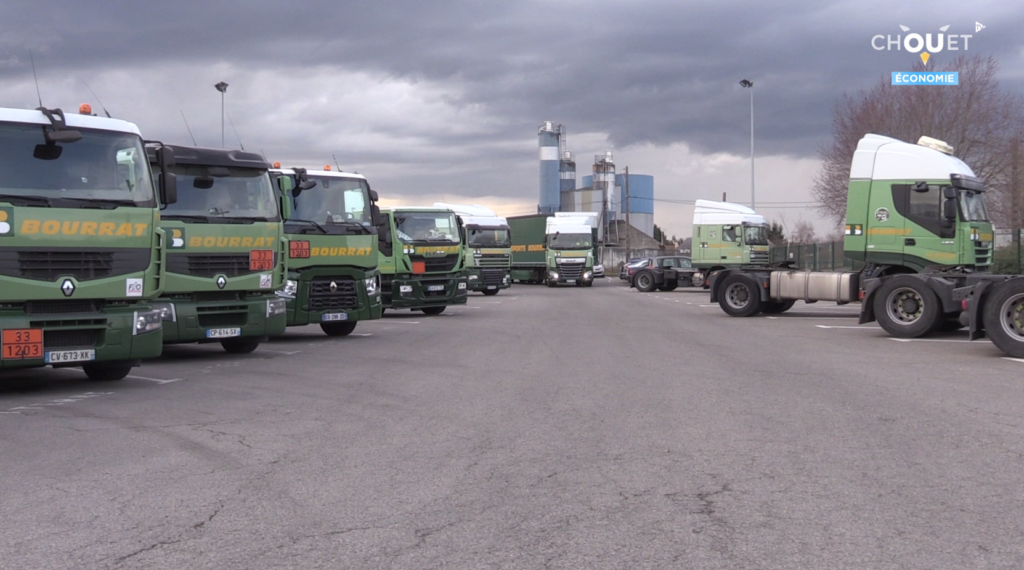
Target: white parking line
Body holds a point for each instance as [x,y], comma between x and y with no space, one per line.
[796,316]
[928,340]
[1013,359]
[361,334]
[288,352]
[57,402]
[859,327]
[392,321]
[157,380]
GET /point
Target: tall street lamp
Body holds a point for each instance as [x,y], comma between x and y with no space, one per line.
[748,84]
[223,88]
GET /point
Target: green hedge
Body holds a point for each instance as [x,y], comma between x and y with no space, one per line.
[1005,261]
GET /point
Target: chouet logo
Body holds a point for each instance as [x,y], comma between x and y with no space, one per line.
[6,221]
[925,45]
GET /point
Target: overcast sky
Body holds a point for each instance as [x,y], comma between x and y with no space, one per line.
[442,100]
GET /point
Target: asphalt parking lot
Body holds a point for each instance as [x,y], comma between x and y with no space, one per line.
[539,428]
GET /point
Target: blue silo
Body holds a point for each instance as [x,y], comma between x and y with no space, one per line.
[550,181]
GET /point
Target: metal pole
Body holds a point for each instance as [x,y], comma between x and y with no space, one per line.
[1017,239]
[222,120]
[752,148]
[628,227]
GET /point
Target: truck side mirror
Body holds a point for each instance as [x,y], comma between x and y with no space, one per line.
[165,157]
[373,196]
[949,193]
[949,210]
[168,188]
[375,215]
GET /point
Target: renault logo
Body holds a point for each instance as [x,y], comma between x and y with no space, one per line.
[67,287]
[334,286]
[221,281]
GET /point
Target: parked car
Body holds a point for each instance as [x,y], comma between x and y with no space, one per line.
[598,271]
[630,267]
[666,273]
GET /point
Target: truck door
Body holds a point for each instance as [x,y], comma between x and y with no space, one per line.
[926,238]
[732,243]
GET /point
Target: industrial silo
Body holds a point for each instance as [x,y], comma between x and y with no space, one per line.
[550,181]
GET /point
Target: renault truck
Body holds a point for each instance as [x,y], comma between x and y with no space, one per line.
[488,249]
[421,259]
[333,280]
[916,220]
[81,254]
[226,251]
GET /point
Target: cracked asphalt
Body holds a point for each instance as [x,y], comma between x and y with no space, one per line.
[540,428]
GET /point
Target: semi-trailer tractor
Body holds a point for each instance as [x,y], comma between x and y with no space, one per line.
[81,254]
[488,251]
[225,251]
[421,259]
[333,278]
[916,220]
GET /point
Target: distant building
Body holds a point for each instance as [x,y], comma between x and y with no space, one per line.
[641,200]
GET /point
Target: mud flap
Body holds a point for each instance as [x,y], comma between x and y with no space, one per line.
[867,309]
[976,311]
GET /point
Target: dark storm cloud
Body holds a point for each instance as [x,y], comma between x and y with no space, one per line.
[658,72]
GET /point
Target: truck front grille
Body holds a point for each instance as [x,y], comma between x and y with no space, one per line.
[63,307]
[493,260]
[759,257]
[492,276]
[82,264]
[222,316]
[70,339]
[570,270]
[982,254]
[209,265]
[323,297]
[437,264]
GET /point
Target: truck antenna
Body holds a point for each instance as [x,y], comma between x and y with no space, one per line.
[105,111]
[338,166]
[187,127]
[232,123]
[33,60]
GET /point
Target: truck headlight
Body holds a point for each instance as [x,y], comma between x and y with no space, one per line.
[372,285]
[147,321]
[553,274]
[167,312]
[276,307]
[586,276]
[290,289]
[405,290]
[462,285]
[473,277]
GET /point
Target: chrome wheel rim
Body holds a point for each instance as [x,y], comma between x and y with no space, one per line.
[905,306]
[1011,317]
[737,296]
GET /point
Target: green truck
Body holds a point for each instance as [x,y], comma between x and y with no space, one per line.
[333,278]
[557,249]
[916,220]
[81,254]
[421,259]
[226,251]
[727,235]
[488,248]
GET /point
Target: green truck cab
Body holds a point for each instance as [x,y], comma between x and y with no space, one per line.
[333,278]
[226,251]
[570,241]
[488,251]
[727,235]
[421,259]
[80,248]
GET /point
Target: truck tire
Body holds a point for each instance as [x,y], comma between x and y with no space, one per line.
[777,307]
[550,283]
[740,296]
[433,310]
[906,307]
[644,282]
[588,283]
[668,287]
[106,372]
[240,345]
[490,292]
[338,329]
[1004,317]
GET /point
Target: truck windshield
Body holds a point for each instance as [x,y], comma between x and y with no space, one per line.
[433,227]
[972,204]
[102,167]
[334,200]
[244,194]
[561,240]
[489,238]
[755,235]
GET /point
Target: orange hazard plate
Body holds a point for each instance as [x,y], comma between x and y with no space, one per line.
[261,260]
[22,343]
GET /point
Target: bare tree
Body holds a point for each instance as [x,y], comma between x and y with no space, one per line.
[803,232]
[976,117]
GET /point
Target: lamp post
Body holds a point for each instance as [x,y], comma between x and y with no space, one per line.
[223,88]
[748,84]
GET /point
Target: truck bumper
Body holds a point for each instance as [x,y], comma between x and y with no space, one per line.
[488,278]
[349,300]
[558,275]
[214,321]
[106,336]
[426,291]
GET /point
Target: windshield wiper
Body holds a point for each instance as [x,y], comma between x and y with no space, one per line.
[26,200]
[311,222]
[359,225]
[185,218]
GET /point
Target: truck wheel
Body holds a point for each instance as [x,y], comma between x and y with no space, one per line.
[740,296]
[589,284]
[433,310]
[666,287]
[338,329]
[106,372]
[906,307]
[490,292]
[644,282]
[240,345]
[777,307]
[1004,317]
[550,283]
